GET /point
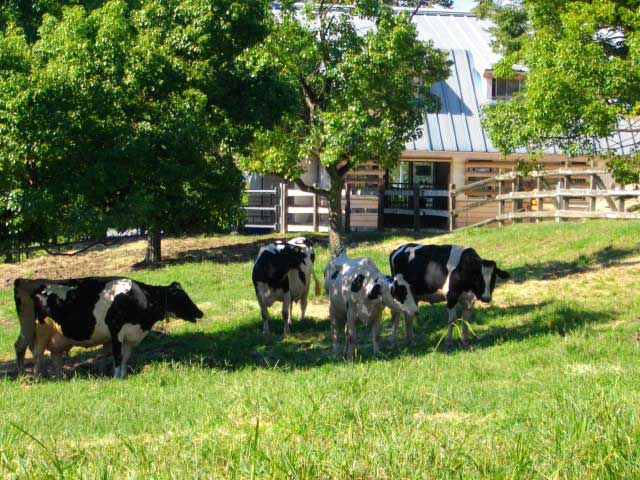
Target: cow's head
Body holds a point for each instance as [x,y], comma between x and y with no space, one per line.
[396,294]
[485,282]
[179,304]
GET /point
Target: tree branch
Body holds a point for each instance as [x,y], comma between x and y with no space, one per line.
[415,10]
[342,171]
[310,189]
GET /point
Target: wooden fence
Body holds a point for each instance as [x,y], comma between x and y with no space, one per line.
[533,197]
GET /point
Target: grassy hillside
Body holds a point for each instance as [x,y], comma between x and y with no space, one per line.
[550,389]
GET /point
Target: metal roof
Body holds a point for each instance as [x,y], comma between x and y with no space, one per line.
[457,128]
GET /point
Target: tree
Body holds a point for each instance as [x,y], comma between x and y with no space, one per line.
[582,77]
[124,117]
[361,77]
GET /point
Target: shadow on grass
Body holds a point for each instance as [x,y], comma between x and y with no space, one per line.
[236,253]
[310,346]
[551,270]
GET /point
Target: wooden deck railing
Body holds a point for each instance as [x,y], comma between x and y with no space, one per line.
[557,197]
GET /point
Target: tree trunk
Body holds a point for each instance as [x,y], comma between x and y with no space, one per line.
[337,240]
[154,253]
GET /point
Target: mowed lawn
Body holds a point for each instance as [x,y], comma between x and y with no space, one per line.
[550,389]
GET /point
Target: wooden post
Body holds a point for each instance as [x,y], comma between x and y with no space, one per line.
[452,207]
[316,217]
[416,208]
[539,206]
[347,208]
[621,204]
[514,188]
[381,208]
[592,187]
[500,202]
[284,193]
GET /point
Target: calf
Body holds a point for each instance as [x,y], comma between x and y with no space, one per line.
[282,273]
[450,273]
[57,315]
[358,290]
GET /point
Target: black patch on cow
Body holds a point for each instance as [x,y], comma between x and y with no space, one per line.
[272,268]
[335,274]
[356,285]
[74,314]
[399,292]
[302,276]
[375,292]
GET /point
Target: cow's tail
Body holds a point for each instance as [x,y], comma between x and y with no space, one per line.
[318,288]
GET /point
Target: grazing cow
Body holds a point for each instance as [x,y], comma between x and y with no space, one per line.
[57,315]
[282,273]
[358,290]
[450,273]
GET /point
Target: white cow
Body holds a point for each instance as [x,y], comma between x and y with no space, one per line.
[358,290]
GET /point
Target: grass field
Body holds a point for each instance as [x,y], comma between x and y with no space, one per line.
[551,388]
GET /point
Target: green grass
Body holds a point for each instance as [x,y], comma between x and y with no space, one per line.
[550,389]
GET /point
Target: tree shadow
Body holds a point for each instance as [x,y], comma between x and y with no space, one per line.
[225,254]
[604,258]
[310,346]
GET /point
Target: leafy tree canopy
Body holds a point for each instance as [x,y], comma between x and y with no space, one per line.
[126,116]
[362,79]
[582,72]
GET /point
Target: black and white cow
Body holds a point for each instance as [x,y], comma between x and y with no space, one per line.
[450,273]
[57,315]
[358,290]
[282,273]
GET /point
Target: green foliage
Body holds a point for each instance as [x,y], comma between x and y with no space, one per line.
[581,60]
[361,90]
[125,116]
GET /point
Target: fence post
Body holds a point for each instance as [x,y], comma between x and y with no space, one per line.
[347,208]
[452,207]
[381,208]
[316,220]
[284,193]
[500,202]
[561,202]
[514,188]
[539,207]
[592,187]
[621,204]
[416,207]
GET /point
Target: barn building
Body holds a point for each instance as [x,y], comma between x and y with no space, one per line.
[454,151]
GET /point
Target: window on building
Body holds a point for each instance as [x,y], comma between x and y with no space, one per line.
[505,88]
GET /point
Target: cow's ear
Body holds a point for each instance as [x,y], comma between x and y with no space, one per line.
[175,286]
[502,274]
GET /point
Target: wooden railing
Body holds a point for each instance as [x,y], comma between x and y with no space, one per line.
[558,197]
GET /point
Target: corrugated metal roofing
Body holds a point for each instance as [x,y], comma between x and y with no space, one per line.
[457,128]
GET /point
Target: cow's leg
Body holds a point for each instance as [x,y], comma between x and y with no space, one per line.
[286,319]
[334,331]
[351,332]
[408,319]
[395,319]
[57,363]
[42,338]
[452,316]
[21,349]
[104,354]
[264,311]
[466,316]
[303,305]
[375,332]
[27,319]
[127,348]
[117,356]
